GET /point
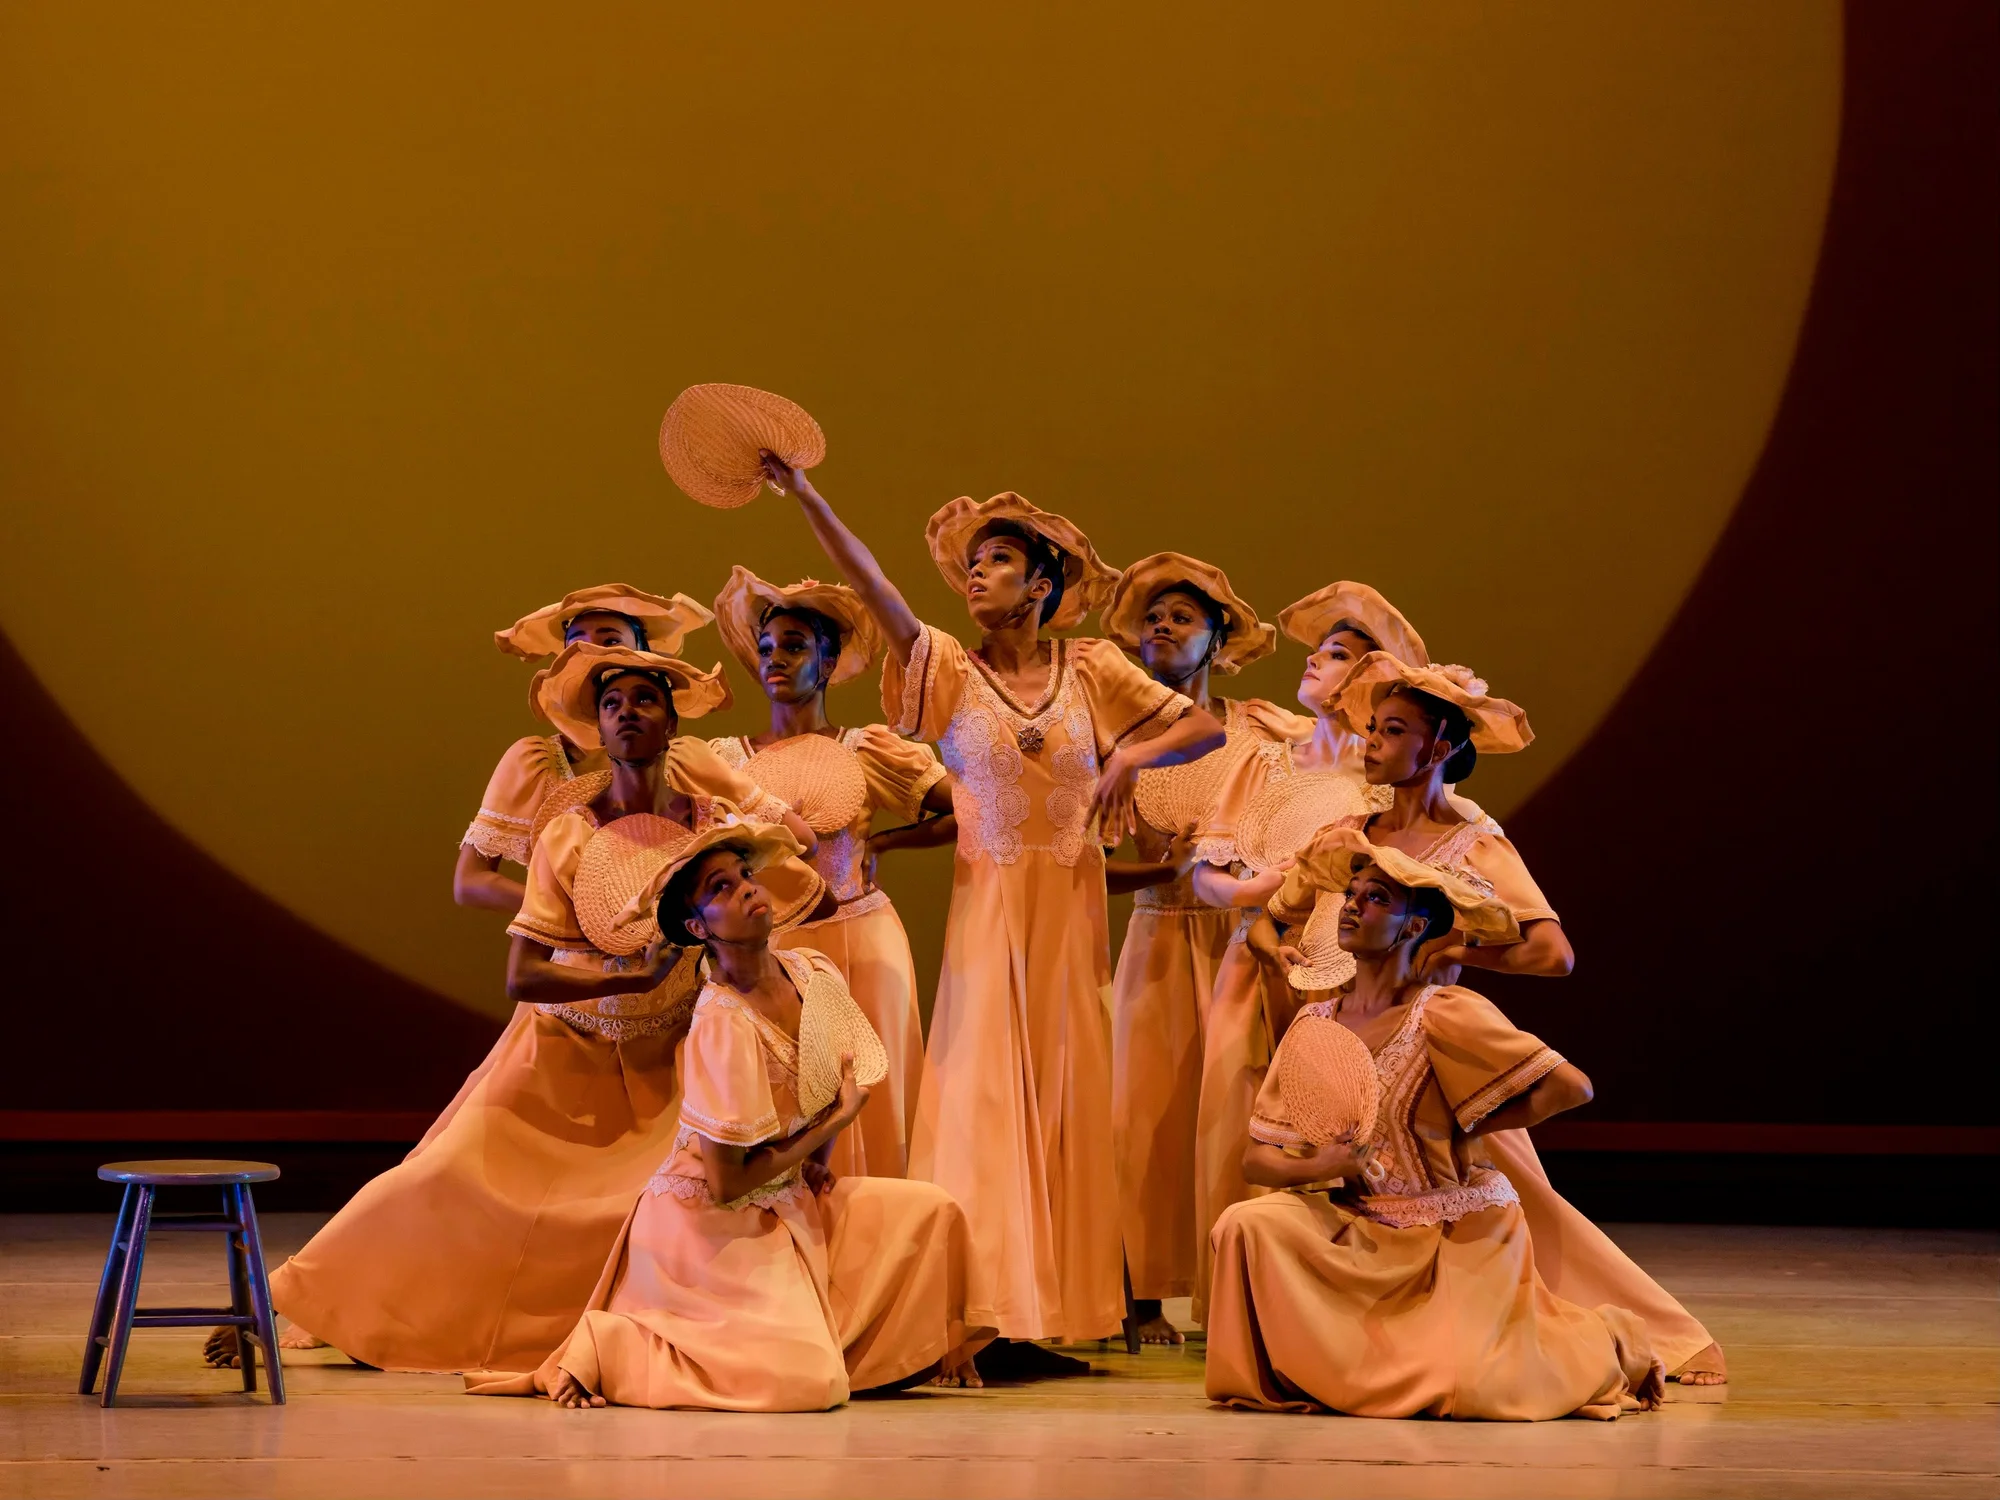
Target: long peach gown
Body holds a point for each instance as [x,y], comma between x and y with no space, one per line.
[1174,947]
[838,786]
[1421,1295]
[780,1300]
[1577,1259]
[481,1245]
[1246,1005]
[1014,1111]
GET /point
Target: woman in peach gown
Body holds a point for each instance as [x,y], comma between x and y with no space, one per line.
[1391,1272]
[1182,619]
[1425,728]
[798,641]
[1044,740]
[606,614]
[748,1277]
[1302,781]
[481,1246]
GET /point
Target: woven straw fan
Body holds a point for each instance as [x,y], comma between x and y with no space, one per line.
[1327,1080]
[830,1025]
[711,436]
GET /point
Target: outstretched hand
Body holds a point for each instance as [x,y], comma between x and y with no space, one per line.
[786,479]
[1112,803]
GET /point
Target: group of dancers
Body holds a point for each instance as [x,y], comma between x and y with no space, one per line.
[713,1160]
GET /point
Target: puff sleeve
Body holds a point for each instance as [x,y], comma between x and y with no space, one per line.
[1495,860]
[548,909]
[1480,1058]
[919,695]
[1270,1122]
[1125,704]
[694,767]
[725,1087]
[513,793]
[898,771]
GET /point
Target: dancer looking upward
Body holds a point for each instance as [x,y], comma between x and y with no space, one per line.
[1045,740]
[798,641]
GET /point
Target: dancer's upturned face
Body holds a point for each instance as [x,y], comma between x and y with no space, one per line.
[788,661]
[1174,636]
[1327,668]
[1374,917]
[1402,744]
[998,591]
[601,628]
[636,718]
[730,905]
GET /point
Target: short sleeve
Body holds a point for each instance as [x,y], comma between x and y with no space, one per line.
[1480,1058]
[513,793]
[1125,704]
[1269,1121]
[898,771]
[548,909]
[725,1087]
[1495,860]
[921,693]
[694,767]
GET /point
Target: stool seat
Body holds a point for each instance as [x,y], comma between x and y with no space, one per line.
[188,1172]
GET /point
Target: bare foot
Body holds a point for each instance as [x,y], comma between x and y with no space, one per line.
[1157,1330]
[296,1337]
[959,1374]
[1706,1368]
[222,1352]
[568,1391]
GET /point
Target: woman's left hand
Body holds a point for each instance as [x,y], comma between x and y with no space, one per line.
[818,1176]
[1111,804]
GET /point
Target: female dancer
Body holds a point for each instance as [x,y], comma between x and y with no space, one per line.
[1184,622]
[481,1246]
[748,1277]
[1042,737]
[1410,1288]
[799,641]
[607,614]
[1425,727]
[1302,786]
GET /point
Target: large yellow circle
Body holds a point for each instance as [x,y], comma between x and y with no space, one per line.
[336,338]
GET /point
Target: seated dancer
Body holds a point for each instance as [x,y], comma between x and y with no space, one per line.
[608,614]
[1304,778]
[1426,727]
[1044,739]
[481,1246]
[747,1277]
[1410,1286]
[799,641]
[1184,622]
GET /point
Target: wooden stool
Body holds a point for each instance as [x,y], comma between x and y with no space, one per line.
[249,1310]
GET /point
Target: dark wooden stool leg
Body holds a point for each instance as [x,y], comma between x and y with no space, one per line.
[1131,1329]
[107,1293]
[260,1294]
[128,1293]
[239,1283]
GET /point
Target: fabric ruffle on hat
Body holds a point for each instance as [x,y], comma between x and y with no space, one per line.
[1333,857]
[761,845]
[1087,580]
[1498,727]
[668,620]
[741,606]
[1314,617]
[1245,637]
[565,691]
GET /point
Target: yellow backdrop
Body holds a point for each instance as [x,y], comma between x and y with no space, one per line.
[336,337]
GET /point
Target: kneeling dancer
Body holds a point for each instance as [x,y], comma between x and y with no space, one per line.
[1409,1287]
[747,1278]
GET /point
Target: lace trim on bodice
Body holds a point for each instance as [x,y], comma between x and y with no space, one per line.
[981,747]
[626,1017]
[1450,849]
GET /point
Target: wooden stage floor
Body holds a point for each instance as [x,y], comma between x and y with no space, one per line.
[1865,1362]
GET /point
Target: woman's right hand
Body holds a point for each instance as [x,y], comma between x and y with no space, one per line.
[656,963]
[1337,1158]
[853,1095]
[781,476]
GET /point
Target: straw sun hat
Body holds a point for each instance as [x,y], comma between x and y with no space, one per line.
[565,691]
[667,619]
[1245,637]
[711,437]
[1334,857]
[1358,607]
[744,600]
[1087,580]
[1498,727]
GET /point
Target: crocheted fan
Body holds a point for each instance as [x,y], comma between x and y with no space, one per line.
[710,437]
[1177,799]
[1327,963]
[830,1024]
[1282,818]
[572,793]
[616,864]
[820,777]
[1327,1079]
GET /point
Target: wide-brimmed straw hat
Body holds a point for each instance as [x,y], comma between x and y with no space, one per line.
[761,845]
[667,619]
[565,691]
[1245,637]
[1332,859]
[1358,607]
[745,600]
[1087,580]
[712,438]
[1498,727]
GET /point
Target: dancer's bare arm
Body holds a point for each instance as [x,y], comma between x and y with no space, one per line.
[476,881]
[533,974]
[850,554]
[735,1170]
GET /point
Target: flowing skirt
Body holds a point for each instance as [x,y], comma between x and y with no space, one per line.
[480,1248]
[1166,974]
[1314,1308]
